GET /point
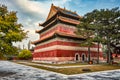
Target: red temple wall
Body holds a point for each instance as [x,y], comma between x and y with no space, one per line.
[51,53]
[71,53]
[63,55]
[59,28]
[43,51]
[60,54]
[61,43]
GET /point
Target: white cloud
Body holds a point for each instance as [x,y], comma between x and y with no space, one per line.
[31,13]
[32,7]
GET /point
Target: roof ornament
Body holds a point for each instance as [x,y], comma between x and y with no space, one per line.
[74,11]
[52,4]
[64,8]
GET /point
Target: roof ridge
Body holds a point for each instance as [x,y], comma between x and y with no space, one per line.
[74,12]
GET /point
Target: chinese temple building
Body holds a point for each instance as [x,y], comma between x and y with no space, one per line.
[58,41]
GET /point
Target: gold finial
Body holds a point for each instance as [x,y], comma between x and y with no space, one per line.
[52,4]
[64,8]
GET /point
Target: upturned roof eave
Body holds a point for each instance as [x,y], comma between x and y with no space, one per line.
[60,34]
[60,10]
[59,19]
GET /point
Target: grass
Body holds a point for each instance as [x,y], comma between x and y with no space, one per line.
[78,70]
[66,64]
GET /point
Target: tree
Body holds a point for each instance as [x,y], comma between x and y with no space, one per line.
[109,28]
[10,31]
[106,23]
[83,30]
[25,54]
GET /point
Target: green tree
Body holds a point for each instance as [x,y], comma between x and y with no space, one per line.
[106,24]
[83,30]
[25,54]
[10,31]
[109,28]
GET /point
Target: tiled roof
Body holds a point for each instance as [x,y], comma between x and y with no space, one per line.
[65,11]
[55,10]
[69,35]
[64,19]
[37,31]
[61,34]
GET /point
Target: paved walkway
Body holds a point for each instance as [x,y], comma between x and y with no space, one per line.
[15,71]
[56,67]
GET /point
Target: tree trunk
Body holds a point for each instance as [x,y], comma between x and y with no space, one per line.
[89,54]
[107,56]
[109,52]
[98,53]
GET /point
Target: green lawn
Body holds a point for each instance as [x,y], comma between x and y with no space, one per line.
[77,70]
[66,64]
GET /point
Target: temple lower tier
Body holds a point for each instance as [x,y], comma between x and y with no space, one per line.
[59,49]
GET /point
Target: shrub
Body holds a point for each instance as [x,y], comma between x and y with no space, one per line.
[2,57]
[25,55]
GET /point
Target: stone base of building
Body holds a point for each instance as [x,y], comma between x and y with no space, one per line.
[62,60]
[53,62]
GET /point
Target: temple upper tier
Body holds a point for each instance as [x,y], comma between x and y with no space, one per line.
[59,21]
[60,15]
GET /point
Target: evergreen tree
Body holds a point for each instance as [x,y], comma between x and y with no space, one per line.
[106,24]
[83,30]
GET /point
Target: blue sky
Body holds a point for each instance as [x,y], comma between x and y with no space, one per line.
[32,12]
